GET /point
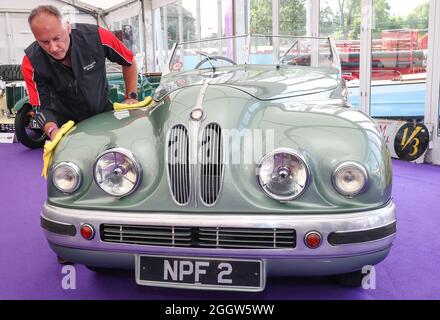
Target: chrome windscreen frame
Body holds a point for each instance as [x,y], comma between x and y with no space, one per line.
[334,53]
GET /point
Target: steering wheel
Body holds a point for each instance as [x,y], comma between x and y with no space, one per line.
[214,58]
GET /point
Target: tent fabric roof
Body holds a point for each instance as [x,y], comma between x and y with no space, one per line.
[103,4]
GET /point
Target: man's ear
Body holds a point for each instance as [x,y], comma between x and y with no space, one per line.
[68,27]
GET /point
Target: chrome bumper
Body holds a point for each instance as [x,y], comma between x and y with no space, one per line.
[301,260]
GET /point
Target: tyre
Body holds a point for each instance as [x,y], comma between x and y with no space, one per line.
[31,138]
[63,261]
[11,72]
[99,269]
[351,280]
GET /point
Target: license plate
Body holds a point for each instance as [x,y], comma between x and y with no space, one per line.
[200,273]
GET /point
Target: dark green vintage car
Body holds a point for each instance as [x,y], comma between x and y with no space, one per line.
[250,163]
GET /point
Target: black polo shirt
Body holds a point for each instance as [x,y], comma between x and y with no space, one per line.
[80,91]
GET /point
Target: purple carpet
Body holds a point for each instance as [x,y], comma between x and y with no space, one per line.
[29,270]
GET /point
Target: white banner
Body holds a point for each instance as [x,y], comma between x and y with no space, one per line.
[7,137]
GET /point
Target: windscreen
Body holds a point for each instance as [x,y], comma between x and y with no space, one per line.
[254,49]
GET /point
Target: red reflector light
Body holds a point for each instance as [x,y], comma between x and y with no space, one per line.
[87,232]
[313,239]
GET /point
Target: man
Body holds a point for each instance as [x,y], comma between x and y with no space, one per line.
[64,69]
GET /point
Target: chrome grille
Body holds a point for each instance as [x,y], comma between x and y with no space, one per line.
[200,237]
[247,238]
[211,166]
[178,164]
[146,235]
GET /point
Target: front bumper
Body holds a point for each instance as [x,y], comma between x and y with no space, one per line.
[362,238]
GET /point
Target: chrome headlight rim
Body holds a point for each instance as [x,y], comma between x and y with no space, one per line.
[72,166]
[357,165]
[131,157]
[291,152]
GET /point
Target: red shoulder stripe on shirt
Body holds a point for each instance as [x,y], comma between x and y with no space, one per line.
[110,40]
[28,74]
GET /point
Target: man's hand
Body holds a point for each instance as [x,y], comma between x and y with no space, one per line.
[53,134]
[51,130]
[130,101]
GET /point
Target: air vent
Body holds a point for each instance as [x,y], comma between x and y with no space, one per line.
[178,164]
[146,235]
[200,237]
[247,238]
[211,166]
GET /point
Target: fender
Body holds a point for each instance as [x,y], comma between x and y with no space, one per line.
[20,103]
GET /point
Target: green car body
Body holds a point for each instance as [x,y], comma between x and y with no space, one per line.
[259,108]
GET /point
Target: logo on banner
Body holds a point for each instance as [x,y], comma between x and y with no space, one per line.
[411,141]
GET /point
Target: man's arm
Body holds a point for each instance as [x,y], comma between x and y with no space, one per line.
[117,52]
[39,96]
[130,78]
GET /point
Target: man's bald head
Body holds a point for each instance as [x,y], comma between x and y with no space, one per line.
[46,9]
[50,30]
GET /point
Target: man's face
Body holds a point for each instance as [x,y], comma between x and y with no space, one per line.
[52,35]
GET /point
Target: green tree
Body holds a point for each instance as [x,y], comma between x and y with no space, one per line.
[349,16]
[327,20]
[419,18]
[189,25]
[292,17]
[261,16]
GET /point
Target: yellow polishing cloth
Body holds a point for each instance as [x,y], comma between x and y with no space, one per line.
[49,146]
[122,106]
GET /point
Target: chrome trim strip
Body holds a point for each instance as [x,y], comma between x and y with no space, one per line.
[194,143]
[201,96]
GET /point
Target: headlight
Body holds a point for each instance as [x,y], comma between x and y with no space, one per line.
[117,172]
[283,174]
[350,178]
[66,177]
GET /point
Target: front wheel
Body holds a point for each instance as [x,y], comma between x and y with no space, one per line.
[29,136]
[99,269]
[351,280]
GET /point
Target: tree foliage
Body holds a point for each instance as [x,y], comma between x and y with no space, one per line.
[261,16]
[292,17]
[419,18]
[189,25]
[341,23]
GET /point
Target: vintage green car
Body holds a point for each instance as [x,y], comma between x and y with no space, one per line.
[248,164]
